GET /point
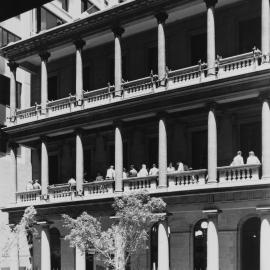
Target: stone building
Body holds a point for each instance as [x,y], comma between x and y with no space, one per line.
[143,82]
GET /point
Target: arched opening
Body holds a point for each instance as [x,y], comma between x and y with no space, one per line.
[200,245]
[154,247]
[55,245]
[250,244]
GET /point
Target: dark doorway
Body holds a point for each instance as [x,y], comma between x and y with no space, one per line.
[152,151]
[154,247]
[199,149]
[198,46]
[55,245]
[52,88]
[89,260]
[250,244]
[53,170]
[200,245]
[152,55]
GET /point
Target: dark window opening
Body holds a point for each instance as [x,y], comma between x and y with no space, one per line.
[152,64]
[6,37]
[198,47]
[199,149]
[89,260]
[250,244]
[111,154]
[200,245]
[53,169]
[18,95]
[52,88]
[154,247]
[87,165]
[249,35]
[55,245]
[152,151]
[4,90]
[125,155]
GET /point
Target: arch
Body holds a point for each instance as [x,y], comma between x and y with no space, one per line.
[250,243]
[200,245]
[55,245]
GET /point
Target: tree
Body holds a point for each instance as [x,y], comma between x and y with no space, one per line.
[19,236]
[128,234]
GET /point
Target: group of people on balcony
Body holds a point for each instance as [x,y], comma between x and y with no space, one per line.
[33,185]
[238,160]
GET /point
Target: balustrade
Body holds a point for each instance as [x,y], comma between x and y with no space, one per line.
[28,196]
[98,188]
[60,192]
[140,183]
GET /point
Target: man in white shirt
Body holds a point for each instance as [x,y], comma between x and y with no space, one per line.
[143,171]
[180,166]
[154,170]
[238,159]
[252,159]
[170,168]
[110,173]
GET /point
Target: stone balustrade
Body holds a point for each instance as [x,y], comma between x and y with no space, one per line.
[60,192]
[140,183]
[231,66]
[98,188]
[28,196]
[240,174]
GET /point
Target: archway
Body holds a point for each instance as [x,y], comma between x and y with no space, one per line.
[250,244]
[200,245]
[55,245]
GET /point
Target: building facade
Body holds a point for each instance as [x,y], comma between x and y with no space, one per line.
[148,82]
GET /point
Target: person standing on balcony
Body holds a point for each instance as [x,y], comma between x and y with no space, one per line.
[154,170]
[36,185]
[29,185]
[125,173]
[252,159]
[132,172]
[110,173]
[238,159]
[143,171]
[180,166]
[72,184]
[170,168]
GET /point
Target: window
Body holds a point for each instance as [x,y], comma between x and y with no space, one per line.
[87,164]
[249,35]
[53,169]
[250,244]
[52,88]
[4,90]
[7,37]
[111,154]
[88,79]
[152,64]
[198,48]
[18,95]
[152,151]
[199,149]
[64,4]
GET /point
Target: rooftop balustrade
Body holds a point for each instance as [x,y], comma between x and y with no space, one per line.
[176,79]
[228,176]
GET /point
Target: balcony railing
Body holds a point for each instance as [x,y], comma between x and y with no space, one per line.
[228,176]
[177,79]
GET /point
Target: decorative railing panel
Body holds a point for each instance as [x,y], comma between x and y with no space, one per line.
[28,196]
[98,187]
[60,192]
[140,183]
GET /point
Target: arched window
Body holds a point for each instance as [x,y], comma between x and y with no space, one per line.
[55,245]
[154,247]
[200,245]
[250,244]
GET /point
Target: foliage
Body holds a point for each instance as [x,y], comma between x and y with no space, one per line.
[128,234]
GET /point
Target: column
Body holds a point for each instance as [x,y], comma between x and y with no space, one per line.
[79,161]
[163,246]
[212,242]
[79,69]
[118,157]
[44,166]
[265,138]
[44,80]
[161,18]
[45,248]
[13,105]
[265,28]
[211,46]
[162,151]
[265,242]
[118,31]
[13,172]
[80,259]
[212,145]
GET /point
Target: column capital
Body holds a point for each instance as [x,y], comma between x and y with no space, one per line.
[13,145]
[118,123]
[13,66]
[79,43]
[210,3]
[44,138]
[79,131]
[211,105]
[44,55]
[161,17]
[118,31]
[264,96]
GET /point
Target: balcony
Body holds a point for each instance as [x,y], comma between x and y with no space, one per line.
[178,182]
[177,79]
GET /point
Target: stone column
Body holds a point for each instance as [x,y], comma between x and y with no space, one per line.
[212,241]
[79,69]
[211,44]
[80,259]
[45,248]
[161,18]
[79,161]
[13,105]
[265,241]
[265,138]
[162,151]
[44,166]
[163,246]
[118,157]
[44,80]
[265,27]
[118,31]
[212,145]
[13,172]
